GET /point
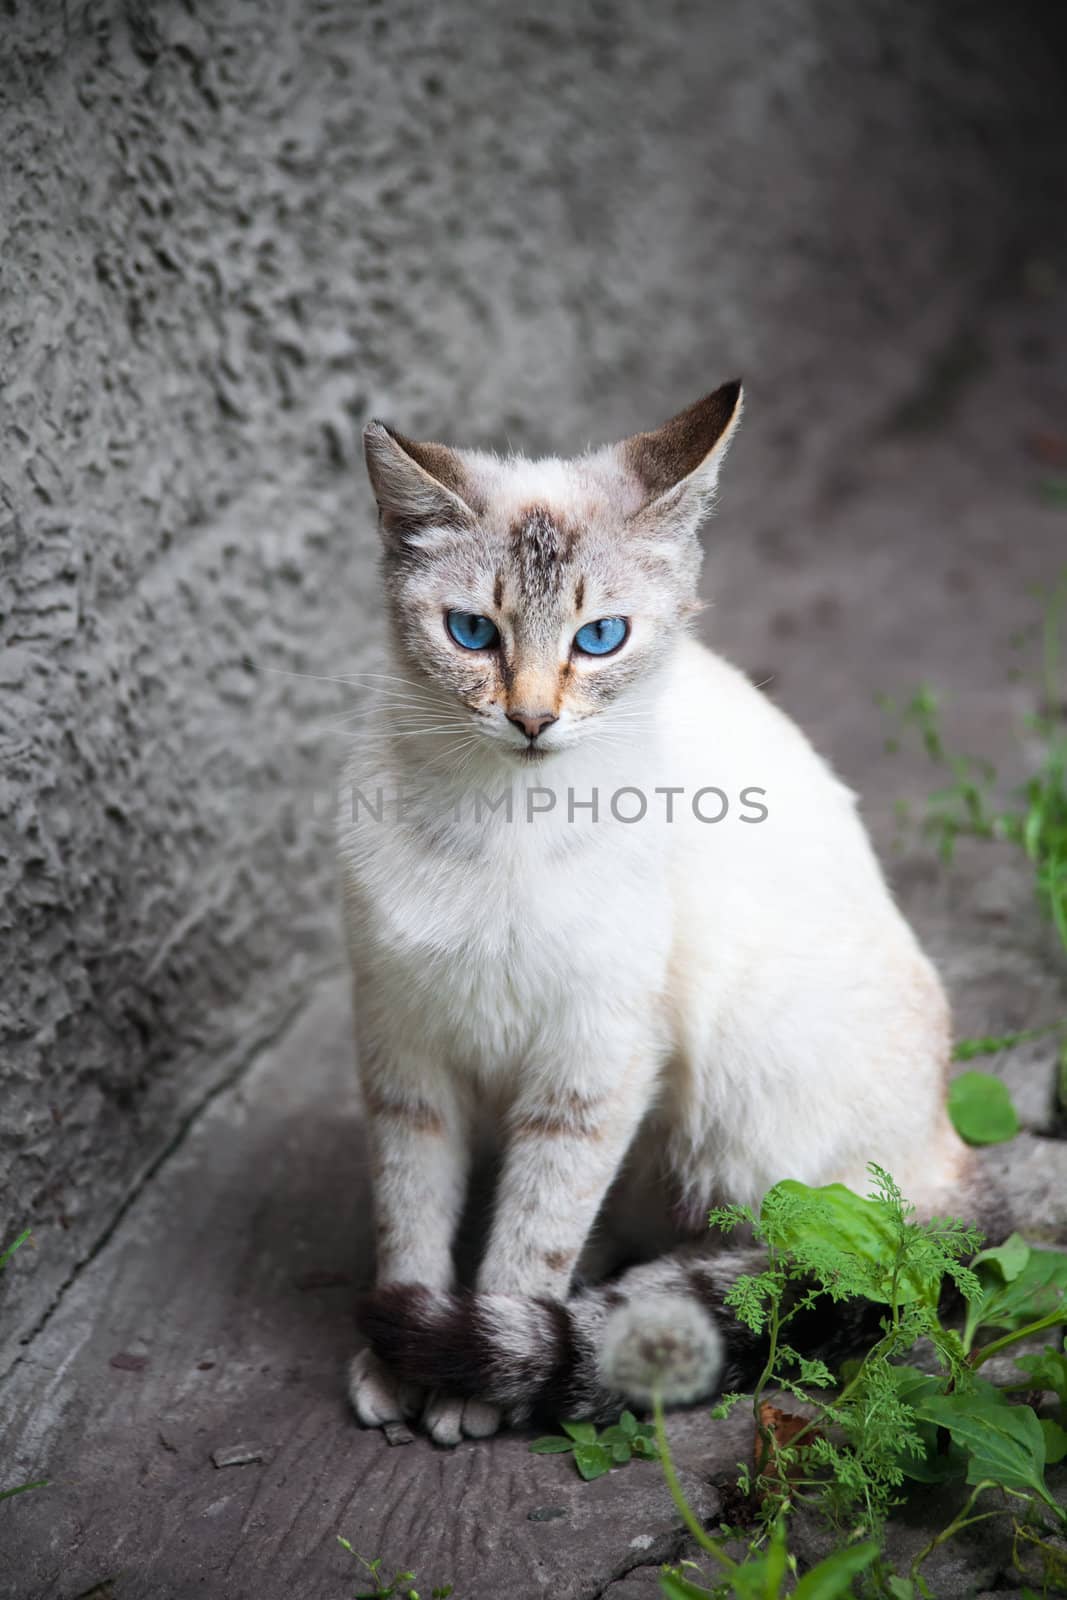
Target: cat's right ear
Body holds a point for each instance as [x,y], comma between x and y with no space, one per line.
[677,465]
[416,485]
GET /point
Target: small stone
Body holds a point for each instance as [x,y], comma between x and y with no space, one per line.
[126,1361]
[240,1455]
[398,1433]
[546,1514]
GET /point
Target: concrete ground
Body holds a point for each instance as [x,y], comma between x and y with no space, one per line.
[215,1318]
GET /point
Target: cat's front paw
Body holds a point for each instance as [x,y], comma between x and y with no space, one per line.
[377,1397]
[399,1321]
[449,1418]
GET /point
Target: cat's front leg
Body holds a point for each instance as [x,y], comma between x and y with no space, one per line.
[419,1144]
[419,1148]
[566,1140]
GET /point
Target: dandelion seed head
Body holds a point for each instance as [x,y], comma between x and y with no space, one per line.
[670,1343]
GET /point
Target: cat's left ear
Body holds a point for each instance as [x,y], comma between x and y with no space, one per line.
[677,465]
[416,485]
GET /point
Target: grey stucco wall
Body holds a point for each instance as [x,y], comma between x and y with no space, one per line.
[231,230]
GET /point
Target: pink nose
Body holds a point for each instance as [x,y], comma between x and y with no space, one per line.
[531,722]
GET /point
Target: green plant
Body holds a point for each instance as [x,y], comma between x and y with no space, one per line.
[1035,817]
[21,1488]
[400,1586]
[866,1436]
[764,1576]
[863,1442]
[596,1453]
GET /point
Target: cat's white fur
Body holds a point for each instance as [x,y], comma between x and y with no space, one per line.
[669,1013]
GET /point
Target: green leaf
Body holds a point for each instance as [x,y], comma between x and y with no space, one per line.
[1011,1257]
[775,1561]
[816,1373]
[1046,1370]
[10,1251]
[551,1445]
[23,1488]
[1033,1291]
[580,1432]
[934,1465]
[1055,1441]
[592,1460]
[675,1587]
[832,1222]
[1005,1443]
[833,1577]
[628,1424]
[981,1109]
[726,1404]
[621,1453]
[900,1588]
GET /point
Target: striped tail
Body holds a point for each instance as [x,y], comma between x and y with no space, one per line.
[665,1321]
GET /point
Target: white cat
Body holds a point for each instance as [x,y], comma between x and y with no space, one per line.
[650,1009]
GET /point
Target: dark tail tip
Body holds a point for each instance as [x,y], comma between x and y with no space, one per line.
[427,1336]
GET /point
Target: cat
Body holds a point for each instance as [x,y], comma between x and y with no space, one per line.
[652,1011]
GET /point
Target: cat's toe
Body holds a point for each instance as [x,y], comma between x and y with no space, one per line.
[480,1419]
[448,1419]
[443,1419]
[377,1397]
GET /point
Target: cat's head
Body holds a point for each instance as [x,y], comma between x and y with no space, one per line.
[534,596]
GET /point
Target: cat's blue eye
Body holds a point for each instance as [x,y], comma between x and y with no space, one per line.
[471,631]
[600,638]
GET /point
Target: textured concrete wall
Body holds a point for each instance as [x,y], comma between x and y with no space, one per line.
[234,228]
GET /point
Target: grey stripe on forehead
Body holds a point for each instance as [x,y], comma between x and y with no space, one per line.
[542,547]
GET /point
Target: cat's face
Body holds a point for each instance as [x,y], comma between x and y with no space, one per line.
[535,597]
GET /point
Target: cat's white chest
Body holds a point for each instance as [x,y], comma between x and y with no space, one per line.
[509,942]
